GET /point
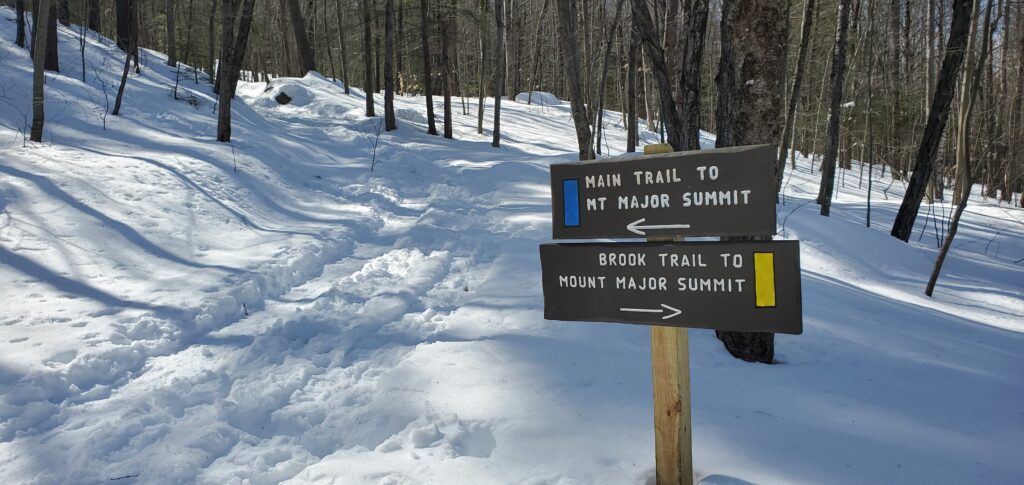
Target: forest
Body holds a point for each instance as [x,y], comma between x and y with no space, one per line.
[297,240]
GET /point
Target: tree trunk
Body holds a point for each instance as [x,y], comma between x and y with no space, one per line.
[961,187]
[535,72]
[659,68]
[341,40]
[428,84]
[937,116]
[172,47]
[749,106]
[307,61]
[124,24]
[52,63]
[443,19]
[212,73]
[235,54]
[794,96]
[63,12]
[482,81]
[389,67]
[631,114]
[367,58]
[19,8]
[689,86]
[93,7]
[38,69]
[837,77]
[499,69]
[567,40]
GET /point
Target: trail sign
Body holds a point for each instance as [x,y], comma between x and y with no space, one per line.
[751,286]
[720,192]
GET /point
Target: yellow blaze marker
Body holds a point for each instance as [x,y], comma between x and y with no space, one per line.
[764,280]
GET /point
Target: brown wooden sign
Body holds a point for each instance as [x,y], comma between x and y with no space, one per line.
[720,192]
[751,286]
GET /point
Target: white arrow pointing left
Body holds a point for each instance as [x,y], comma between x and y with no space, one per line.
[672,311]
[636,228]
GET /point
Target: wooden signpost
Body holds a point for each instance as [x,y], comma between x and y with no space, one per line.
[665,282]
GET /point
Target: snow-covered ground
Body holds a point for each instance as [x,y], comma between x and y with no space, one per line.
[178,310]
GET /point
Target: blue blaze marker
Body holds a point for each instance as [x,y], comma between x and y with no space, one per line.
[571,202]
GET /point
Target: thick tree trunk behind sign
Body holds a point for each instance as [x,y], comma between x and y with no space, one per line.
[837,77]
[307,62]
[569,46]
[938,114]
[749,107]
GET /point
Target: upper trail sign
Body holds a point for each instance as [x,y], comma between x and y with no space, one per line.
[720,192]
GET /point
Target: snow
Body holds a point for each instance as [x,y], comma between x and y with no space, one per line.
[178,310]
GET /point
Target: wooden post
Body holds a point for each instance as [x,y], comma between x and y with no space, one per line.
[670,371]
[670,368]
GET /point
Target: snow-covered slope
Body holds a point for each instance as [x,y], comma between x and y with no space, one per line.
[178,310]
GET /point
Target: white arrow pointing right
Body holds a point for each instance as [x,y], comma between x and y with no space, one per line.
[672,311]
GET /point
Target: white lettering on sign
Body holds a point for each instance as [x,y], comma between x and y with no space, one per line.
[735,259]
[573,281]
[621,259]
[650,201]
[713,198]
[709,285]
[711,172]
[653,283]
[651,177]
[682,260]
[603,180]
[596,204]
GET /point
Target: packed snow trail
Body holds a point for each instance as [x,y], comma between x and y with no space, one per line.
[186,311]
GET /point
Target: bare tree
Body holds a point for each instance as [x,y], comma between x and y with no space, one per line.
[233,61]
[172,48]
[837,78]
[19,8]
[93,14]
[367,58]
[42,32]
[51,62]
[969,91]
[341,41]
[389,66]
[567,40]
[794,96]
[499,70]
[937,116]
[307,61]
[444,20]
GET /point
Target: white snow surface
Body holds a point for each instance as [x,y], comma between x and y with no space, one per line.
[178,310]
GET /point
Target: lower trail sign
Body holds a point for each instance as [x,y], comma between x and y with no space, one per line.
[750,286]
